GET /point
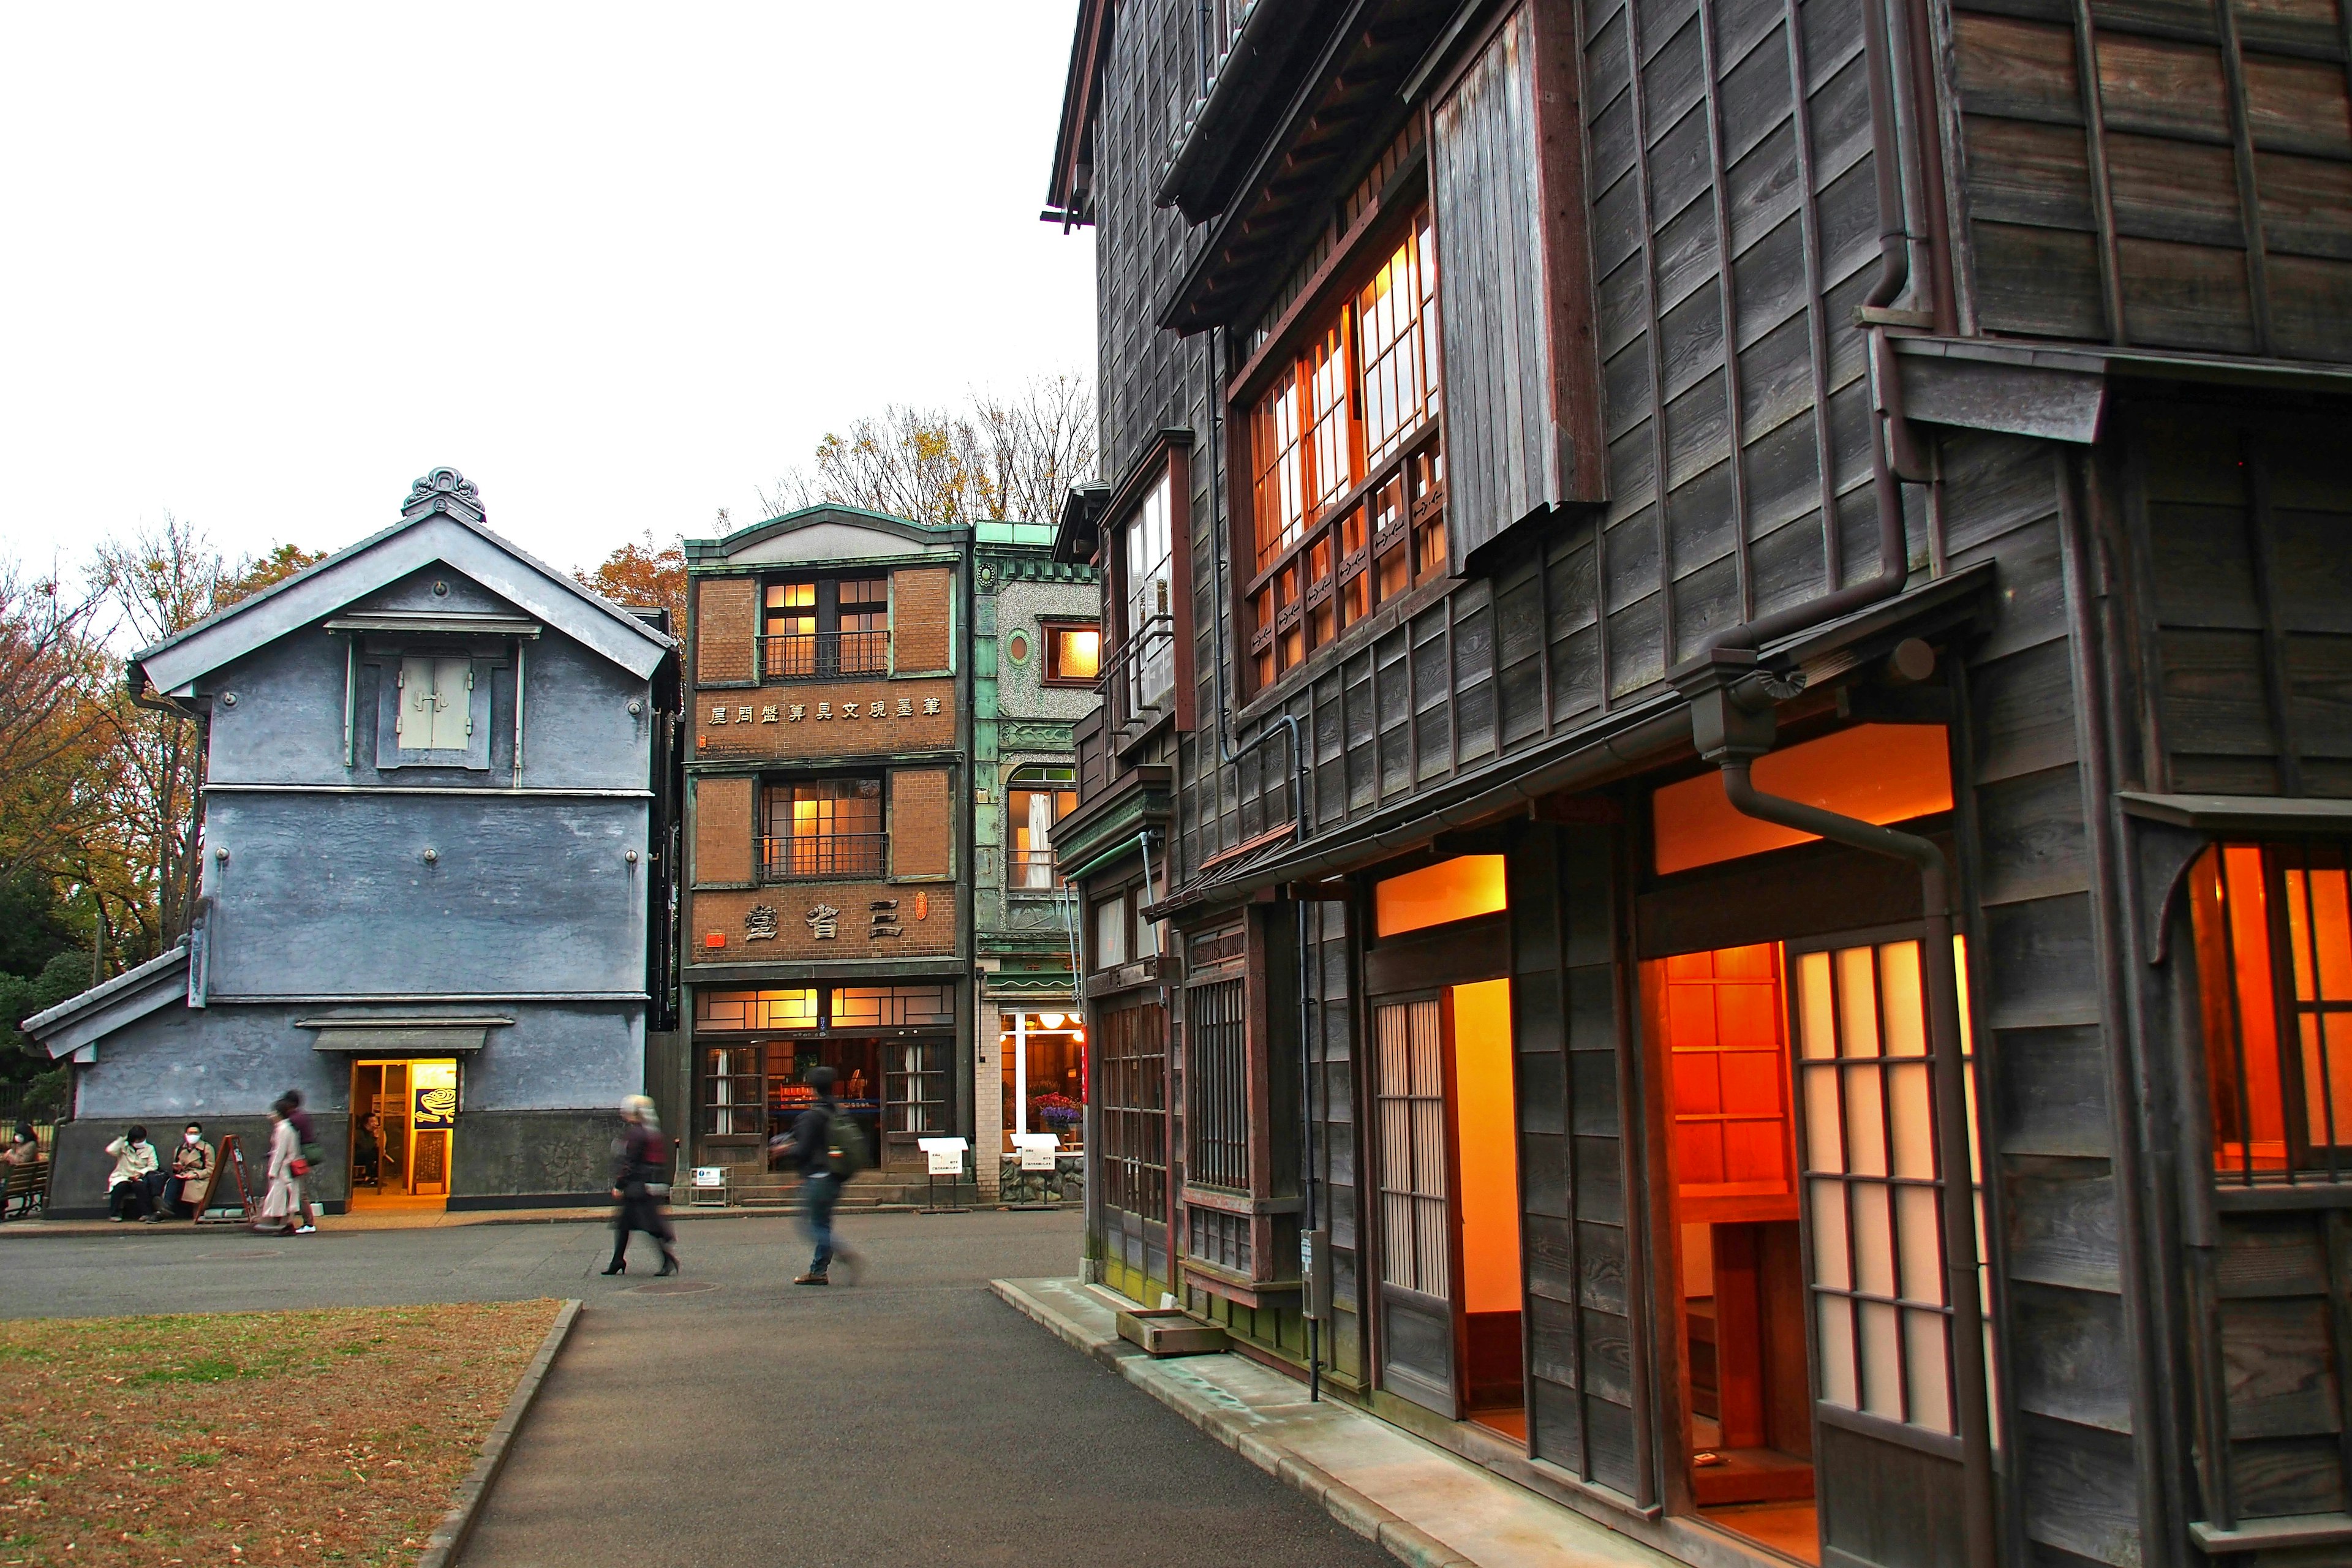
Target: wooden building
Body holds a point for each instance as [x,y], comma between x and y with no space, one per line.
[440,784]
[827,910]
[1715,856]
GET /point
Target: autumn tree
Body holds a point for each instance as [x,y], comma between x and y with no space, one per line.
[1002,457]
[56,702]
[644,573]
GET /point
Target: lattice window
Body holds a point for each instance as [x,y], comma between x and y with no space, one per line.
[1217,1100]
[1134,1114]
[1410,1106]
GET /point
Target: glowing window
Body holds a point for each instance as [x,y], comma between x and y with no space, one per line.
[1456,889]
[1879,773]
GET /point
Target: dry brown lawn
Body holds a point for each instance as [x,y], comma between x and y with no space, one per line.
[248,1437]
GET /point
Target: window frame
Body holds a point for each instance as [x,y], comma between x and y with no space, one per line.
[482,663]
[1033,778]
[1380,539]
[1168,459]
[828,650]
[1050,630]
[764,843]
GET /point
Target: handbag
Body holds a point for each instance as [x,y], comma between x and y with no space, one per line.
[298,1167]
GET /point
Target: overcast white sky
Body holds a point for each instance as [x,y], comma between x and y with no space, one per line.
[264,264]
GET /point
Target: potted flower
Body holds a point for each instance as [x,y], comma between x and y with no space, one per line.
[1057,1113]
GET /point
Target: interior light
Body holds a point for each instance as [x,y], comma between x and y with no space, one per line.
[1051,1020]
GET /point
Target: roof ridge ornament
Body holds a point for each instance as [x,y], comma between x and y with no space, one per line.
[444,490]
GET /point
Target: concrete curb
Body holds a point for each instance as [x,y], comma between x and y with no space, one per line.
[1406,1542]
[448,1541]
[601,1214]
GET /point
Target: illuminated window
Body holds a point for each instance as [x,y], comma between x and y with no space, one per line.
[823,828]
[1346,482]
[826,627]
[1879,773]
[2274,967]
[1035,798]
[1073,653]
[755,1009]
[1456,889]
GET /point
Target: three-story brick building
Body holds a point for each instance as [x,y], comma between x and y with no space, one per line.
[827,917]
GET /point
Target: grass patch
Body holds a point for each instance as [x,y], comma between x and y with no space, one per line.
[248,1437]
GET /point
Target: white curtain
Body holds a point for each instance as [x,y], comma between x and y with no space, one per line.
[1039,871]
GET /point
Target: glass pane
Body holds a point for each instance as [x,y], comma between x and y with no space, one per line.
[1874,1238]
[1857,1002]
[1865,1125]
[1919,1232]
[1837,1351]
[2327,1077]
[1901,1001]
[1830,1250]
[1824,1141]
[1882,1359]
[1910,1116]
[1931,1385]
[1816,1007]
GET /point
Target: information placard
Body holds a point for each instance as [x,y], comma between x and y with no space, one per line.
[945,1155]
[1036,1150]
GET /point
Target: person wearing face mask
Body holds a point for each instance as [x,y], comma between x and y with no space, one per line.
[189,1179]
[126,1189]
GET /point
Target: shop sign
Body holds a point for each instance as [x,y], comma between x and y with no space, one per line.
[826,709]
[824,922]
[944,1156]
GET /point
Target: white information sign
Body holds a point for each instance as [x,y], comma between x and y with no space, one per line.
[945,1155]
[710,1176]
[1036,1150]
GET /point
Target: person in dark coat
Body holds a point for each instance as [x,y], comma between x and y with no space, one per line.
[809,1145]
[640,1183]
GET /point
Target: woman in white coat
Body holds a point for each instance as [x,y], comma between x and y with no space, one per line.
[281,1211]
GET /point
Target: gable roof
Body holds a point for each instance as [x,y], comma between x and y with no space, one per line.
[924,535]
[82,1021]
[441,521]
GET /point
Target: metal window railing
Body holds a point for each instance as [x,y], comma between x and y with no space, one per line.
[1139,678]
[820,656]
[1031,870]
[791,858]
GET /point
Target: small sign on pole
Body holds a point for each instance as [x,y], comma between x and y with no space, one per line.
[710,1176]
[1036,1150]
[943,1157]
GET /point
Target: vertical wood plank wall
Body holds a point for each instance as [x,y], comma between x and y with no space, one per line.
[2063,1354]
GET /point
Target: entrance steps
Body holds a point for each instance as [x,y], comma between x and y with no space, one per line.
[868,1190]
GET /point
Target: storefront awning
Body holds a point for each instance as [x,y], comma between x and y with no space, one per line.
[401,1037]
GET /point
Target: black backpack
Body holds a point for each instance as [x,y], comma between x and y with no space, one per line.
[844,1146]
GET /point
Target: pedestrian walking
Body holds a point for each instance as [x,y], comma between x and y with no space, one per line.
[128,1195]
[313,1156]
[828,1148]
[284,1206]
[641,1185]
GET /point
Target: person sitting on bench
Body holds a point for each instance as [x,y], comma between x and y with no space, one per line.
[190,1178]
[126,1190]
[24,1149]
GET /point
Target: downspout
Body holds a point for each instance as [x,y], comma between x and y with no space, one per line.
[1733,722]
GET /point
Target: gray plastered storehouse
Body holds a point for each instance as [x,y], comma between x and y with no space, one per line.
[389,877]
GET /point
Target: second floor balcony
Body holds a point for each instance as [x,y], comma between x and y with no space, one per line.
[823,656]
[796,857]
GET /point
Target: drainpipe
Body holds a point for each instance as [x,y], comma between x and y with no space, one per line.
[1733,722]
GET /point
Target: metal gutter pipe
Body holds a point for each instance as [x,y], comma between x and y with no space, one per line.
[1733,721]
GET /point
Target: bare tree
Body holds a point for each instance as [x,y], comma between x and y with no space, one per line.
[1004,457]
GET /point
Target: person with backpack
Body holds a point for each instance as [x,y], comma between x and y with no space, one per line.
[829,1149]
[641,1184]
[312,1157]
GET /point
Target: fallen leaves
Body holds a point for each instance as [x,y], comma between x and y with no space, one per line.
[259,1438]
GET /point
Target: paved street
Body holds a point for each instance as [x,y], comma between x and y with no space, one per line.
[742,1421]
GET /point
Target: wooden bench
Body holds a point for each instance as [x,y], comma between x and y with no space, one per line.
[27,1188]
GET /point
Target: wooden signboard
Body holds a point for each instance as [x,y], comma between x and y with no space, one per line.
[231,1199]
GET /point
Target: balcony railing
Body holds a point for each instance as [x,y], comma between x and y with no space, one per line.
[1139,678]
[822,656]
[797,859]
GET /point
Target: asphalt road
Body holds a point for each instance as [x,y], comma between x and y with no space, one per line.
[743,1420]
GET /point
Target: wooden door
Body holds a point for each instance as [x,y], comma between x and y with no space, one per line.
[1419,1264]
[1888,1467]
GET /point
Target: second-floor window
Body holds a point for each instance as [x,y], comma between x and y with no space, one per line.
[1148,659]
[815,628]
[823,828]
[1073,653]
[1347,480]
[1036,799]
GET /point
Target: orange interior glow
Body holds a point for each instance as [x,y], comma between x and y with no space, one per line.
[1453,889]
[1879,773]
[1485,1135]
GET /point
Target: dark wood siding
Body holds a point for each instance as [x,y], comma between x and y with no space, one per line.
[2160,173]
[1570,1037]
[1503,447]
